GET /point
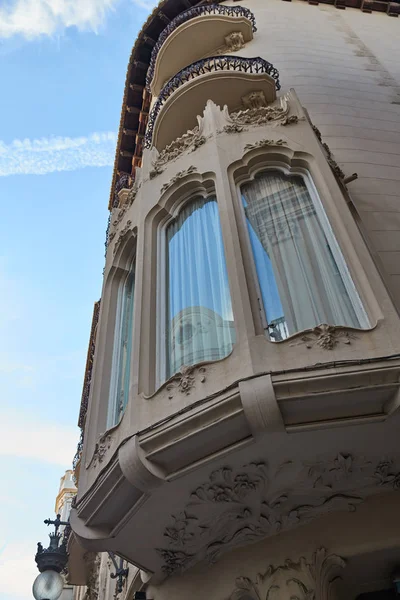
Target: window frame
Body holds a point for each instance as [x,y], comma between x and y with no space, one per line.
[336,248]
[162,279]
[111,417]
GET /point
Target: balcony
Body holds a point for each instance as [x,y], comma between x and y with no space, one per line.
[192,35]
[223,79]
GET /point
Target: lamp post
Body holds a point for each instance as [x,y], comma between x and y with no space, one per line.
[50,561]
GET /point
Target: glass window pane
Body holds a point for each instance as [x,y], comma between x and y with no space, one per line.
[199,313]
[302,275]
[124,349]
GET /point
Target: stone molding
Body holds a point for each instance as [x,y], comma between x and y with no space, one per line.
[263,144]
[301,580]
[260,405]
[136,468]
[216,120]
[122,235]
[177,177]
[238,506]
[325,336]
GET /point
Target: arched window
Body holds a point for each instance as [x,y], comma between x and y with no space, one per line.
[119,389]
[303,278]
[198,319]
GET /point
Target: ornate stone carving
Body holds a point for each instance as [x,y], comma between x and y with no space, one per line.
[337,171]
[177,177]
[101,449]
[188,141]
[92,587]
[292,120]
[185,380]
[233,42]
[232,128]
[254,100]
[301,580]
[260,114]
[264,143]
[325,336]
[131,196]
[122,234]
[237,507]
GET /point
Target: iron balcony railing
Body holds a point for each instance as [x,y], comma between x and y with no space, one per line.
[207,65]
[187,15]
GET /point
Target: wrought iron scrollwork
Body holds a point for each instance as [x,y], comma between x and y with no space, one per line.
[208,65]
[187,15]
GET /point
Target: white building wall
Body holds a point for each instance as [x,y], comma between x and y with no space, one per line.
[344,66]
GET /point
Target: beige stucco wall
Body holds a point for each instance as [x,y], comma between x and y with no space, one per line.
[341,65]
[345,69]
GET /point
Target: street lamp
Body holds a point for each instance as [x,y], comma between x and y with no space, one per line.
[50,561]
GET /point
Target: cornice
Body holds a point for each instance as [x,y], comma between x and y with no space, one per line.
[173,6]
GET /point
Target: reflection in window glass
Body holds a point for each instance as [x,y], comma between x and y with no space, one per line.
[123,350]
[302,275]
[199,312]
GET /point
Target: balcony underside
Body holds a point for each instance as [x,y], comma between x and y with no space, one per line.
[196,486]
[194,40]
[179,113]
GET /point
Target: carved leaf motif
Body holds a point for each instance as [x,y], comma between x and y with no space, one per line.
[253,502]
[101,449]
[185,380]
[177,177]
[122,234]
[189,141]
[326,337]
[264,143]
[299,580]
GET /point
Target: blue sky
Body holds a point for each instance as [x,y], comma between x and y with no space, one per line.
[62,72]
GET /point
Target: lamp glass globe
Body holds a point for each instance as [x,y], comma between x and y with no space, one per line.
[48,586]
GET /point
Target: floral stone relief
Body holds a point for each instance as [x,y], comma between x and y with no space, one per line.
[238,506]
[326,337]
[217,120]
[299,580]
[177,177]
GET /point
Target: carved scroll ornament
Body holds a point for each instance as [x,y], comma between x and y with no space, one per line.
[238,506]
[301,580]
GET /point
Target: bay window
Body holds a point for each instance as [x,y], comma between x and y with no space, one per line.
[198,313]
[119,392]
[302,276]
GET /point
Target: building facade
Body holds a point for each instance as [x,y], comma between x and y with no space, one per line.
[240,408]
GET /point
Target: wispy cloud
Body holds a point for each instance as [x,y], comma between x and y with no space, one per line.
[24,436]
[146,4]
[32,18]
[46,155]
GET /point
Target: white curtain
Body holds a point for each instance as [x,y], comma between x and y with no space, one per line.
[123,348]
[301,271]
[199,314]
